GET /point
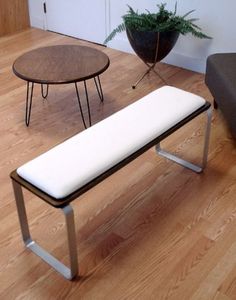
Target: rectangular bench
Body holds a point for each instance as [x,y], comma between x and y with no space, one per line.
[68,170]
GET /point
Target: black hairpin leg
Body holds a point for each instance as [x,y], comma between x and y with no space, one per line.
[87,99]
[80,106]
[99,88]
[44,95]
[29,97]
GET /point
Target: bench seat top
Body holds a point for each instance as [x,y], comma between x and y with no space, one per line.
[75,162]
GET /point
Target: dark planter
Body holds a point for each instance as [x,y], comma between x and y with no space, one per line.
[144,43]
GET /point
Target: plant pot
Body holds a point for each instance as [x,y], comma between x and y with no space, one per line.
[144,43]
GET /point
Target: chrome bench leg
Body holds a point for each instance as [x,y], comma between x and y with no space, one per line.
[182,162]
[68,273]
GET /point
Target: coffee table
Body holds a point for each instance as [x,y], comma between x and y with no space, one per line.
[61,64]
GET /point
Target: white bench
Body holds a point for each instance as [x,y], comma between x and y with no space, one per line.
[63,173]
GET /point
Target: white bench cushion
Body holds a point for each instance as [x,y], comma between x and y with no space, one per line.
[75,162]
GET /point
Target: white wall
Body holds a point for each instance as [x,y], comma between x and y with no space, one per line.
[36,13]
[217,19]
[72,18]
[85,19]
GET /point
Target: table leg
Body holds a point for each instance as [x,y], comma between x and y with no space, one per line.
[29,98]
[80,106]
[44,95]
[99,88]
[87,100]
[100,94]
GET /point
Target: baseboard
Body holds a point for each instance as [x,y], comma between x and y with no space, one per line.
[186,62]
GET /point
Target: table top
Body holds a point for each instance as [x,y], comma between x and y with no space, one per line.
[60,64]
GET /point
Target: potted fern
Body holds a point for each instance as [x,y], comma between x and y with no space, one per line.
[153,35]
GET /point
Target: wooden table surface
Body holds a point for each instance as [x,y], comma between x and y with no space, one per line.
[61,64]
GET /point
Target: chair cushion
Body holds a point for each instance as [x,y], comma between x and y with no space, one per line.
[75,162]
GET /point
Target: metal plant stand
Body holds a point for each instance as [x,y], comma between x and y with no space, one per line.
[151,47]
[151,67]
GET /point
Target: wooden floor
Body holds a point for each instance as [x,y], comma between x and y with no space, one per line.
[153,230]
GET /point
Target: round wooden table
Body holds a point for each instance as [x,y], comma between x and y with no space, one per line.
[61,64]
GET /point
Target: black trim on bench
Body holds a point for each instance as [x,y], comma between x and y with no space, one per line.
[60,203]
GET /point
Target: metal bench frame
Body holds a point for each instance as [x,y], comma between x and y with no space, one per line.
[64,204]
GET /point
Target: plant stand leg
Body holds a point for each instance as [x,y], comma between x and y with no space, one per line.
[158,73]
[150,68]
[141,78]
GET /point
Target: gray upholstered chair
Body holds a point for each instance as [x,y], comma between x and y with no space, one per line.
[221,81]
